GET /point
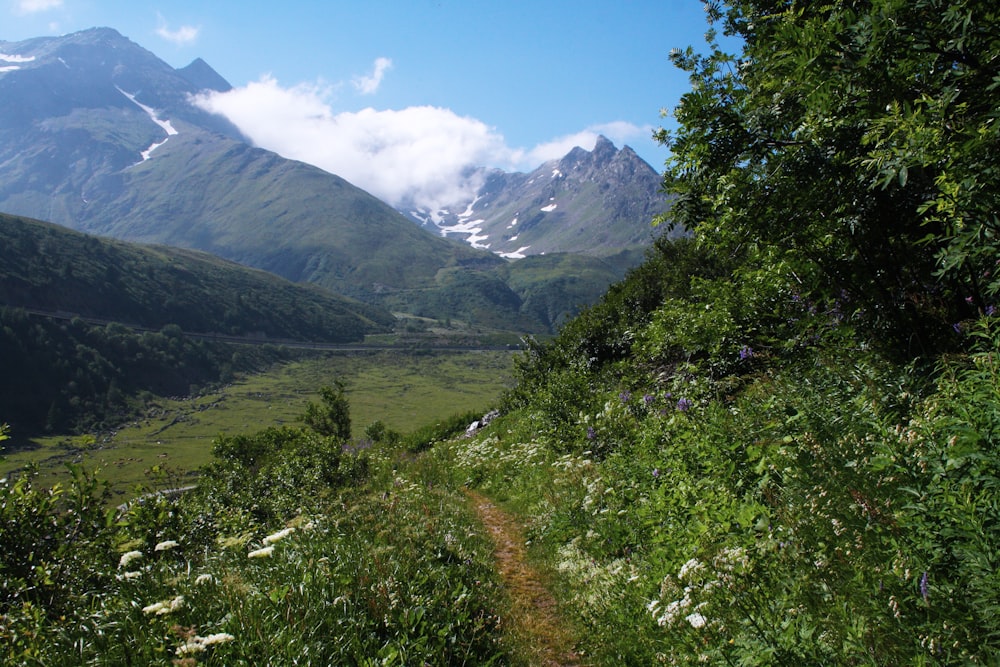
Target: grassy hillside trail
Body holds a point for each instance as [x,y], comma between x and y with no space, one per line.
[534,613]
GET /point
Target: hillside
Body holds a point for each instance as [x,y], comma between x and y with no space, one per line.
[51,268]
[100,135]
[71,374]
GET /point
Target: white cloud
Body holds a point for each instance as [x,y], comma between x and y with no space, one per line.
[419,156]
[367,85]
[186,34]
[34,6]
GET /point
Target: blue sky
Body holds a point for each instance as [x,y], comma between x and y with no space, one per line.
[401,96]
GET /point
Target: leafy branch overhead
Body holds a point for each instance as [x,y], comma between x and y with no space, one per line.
[857,143]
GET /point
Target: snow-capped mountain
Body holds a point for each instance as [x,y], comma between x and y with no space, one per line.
[593,202]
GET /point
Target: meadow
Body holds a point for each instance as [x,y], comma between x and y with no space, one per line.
[173,439]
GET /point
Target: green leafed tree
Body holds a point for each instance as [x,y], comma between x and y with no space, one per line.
[332,416]
[857,143]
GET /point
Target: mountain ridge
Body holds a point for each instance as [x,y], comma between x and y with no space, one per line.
[594,202]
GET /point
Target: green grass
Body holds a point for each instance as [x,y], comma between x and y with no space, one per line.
[404,391]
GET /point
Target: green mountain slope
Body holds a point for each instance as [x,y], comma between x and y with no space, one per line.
[49,267]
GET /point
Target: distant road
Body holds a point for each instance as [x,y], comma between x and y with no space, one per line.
[263,340]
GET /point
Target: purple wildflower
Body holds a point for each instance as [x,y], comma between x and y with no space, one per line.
[591,433]
[656,472]
[683,405]
[625,396]
[990,310]
[746,352]
[957,326]
[924,588]
[648,399]
[969,300]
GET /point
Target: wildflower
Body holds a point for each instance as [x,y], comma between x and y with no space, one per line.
[281,534]
[198,644]
[656,473]
[696,620]
[128,557]
[683,405]
[125,576]
[648,399]
[746,352]
[924,588]
[625,396]
[204,579]
[164,607]
[990,310]
[166,545]
[693,566]
[261,553]
[591,433]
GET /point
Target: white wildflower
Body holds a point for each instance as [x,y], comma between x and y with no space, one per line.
[128,557]
[198,644]
[166,545]
[281,534]
[129,575]
[261,553]
[691,567]
[696,620]
[164,607]
[218,638]
[204,579]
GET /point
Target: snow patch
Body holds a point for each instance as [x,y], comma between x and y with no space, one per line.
[517,254]
[16,58]
[473,230]
[151,112]
[549,208]
[556,173]
[512,223]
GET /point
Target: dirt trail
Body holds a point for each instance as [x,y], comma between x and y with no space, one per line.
[534,612]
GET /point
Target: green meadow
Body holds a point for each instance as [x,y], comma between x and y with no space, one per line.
[167,445]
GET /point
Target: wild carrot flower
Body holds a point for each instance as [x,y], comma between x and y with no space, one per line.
[261,553]
[198,644]
[128,557]
[280,535]
[696,620]
[164,607]
[166,545]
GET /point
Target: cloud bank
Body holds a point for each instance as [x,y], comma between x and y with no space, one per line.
[421,157]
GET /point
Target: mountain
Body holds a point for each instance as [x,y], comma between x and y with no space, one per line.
[54,269]
[100,135]
[592,202]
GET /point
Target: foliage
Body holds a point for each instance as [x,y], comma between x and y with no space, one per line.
[849,142]
[332,418]
[291,549]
